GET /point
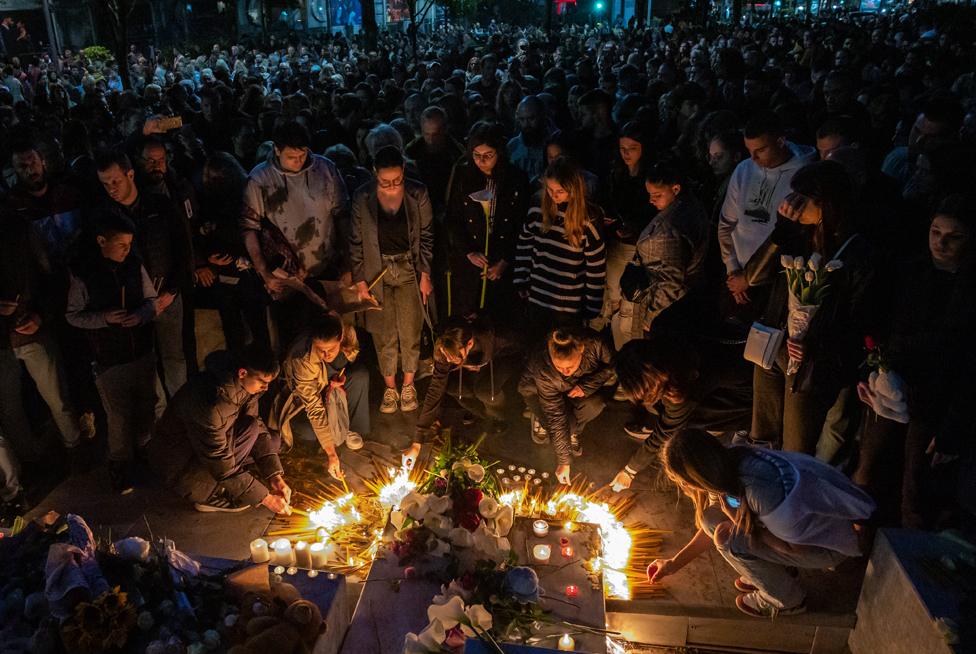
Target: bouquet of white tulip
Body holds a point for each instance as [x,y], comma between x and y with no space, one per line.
[808,284]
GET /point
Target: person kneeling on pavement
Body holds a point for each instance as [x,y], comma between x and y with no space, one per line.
[211,434]
[484,358]
[766,512]
[560,386]
[325,395]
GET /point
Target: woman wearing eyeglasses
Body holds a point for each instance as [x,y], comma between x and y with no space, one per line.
[487,199]
[392,241]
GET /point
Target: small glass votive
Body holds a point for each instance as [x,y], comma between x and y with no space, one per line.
[567,552]
[540,528]
[292,571]
[331,576]
[541,553]
[563,541]
[572,590]
[279,570]
[312,574]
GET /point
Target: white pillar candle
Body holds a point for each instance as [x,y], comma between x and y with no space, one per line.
[282,553]
[259,550]
[319,555]
[567,643]
[303,558]
[542,553]
[540,528]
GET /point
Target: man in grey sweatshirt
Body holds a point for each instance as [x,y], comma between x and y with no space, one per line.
[757,187]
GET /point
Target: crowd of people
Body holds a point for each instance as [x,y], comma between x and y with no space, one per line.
[592,216]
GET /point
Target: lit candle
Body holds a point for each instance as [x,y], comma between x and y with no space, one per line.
[540,528]
[292,571]
[279,570]
[259,550]
[566,643]
[572,590]
[567,552]
[312,574]
[568,526]
[303,557]
[541,553]
[282,553]
[331,576]
[319,555]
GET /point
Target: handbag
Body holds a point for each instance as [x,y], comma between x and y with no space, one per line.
[635,282]
[762,345]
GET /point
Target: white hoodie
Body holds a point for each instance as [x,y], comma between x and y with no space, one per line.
[749,211]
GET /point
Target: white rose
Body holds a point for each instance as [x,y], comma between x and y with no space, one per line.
[488,507]
[476,473]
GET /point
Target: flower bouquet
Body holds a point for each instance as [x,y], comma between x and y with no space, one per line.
[885,389]
[808,285]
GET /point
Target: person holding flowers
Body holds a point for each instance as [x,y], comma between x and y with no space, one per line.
[829,311]
[920,420]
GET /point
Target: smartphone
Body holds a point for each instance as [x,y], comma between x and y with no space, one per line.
[732,501]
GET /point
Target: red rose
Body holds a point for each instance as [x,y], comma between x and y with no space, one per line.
[870,343]
[468,581]
[473,497]
[470,520]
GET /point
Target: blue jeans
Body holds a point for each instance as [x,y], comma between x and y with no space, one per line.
[766,568]
[43,362]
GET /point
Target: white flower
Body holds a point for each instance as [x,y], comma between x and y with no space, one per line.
[461,537]
[438,505]
[503,521]
[448,614]
[488,507]
[479,618]
[475,472]
[414,505]
[815,260]
[809,276]
[441,548]
[798,263]
[834,264]
[786,261]
[439,524]
[428,640]
[396,519]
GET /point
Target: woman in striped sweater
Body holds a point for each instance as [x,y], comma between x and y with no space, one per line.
[560,266]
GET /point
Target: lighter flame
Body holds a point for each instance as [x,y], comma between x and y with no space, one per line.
[399,486]
[335,514]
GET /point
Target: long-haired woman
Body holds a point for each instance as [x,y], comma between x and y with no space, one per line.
[816,217]
[765,512]
[560,266]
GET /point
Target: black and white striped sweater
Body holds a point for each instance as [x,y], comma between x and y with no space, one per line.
[558,276]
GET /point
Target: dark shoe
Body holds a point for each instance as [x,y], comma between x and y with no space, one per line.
[539,434]
[13,508]
[468,418]
[77,457]
[218,502]
[495,427]
[639,430]
[118,474]
[574,445]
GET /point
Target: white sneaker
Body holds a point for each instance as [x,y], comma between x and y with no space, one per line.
[408,398]
[391,401]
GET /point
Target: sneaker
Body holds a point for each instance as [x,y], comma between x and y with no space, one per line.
[86,425]
[753,604]
[118,475]
[391,401]
[639,429]
[744,586]
[408,398]
[574,445]
[620,396]
[539,434]
[468,419]
[218,502]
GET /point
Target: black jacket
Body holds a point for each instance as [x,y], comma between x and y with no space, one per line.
[465,218]
[541,378]
[192,448]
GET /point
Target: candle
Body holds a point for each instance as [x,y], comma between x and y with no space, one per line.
[282,553]
[312,574]
[568,526]
[303,557]
[331,576]
[511,468]
[566,643]
[572,590]
[319,555]
[541,553]
[279,570]
[567,552]
[292,571]
[259,550]
[540,528]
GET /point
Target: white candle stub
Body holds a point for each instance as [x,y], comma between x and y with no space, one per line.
[542,553]
[319,555]
[282,552]
[540,528]
[259,551]
[303,556]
